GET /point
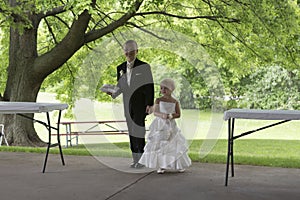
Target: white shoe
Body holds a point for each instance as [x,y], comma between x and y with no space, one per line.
[181,170]
[160,171]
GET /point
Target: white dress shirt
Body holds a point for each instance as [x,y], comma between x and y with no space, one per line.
[129,71]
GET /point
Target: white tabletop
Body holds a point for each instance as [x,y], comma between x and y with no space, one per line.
[262,114]
[29,107]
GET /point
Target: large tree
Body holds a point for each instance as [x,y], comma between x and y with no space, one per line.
[75,24]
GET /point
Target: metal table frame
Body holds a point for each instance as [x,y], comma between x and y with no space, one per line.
[231,115]
[21,109]
[89,131]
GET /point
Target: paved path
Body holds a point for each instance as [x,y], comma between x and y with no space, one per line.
[86,177]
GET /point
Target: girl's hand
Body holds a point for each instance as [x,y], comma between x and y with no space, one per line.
[164,116]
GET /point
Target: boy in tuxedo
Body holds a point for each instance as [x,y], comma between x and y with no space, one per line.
[135,82]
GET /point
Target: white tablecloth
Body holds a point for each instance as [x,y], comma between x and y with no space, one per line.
[29,107]
[262,114]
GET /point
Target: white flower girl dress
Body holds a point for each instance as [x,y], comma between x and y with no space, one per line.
[166,147]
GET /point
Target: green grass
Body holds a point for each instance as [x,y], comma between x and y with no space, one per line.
[274,153]
[278,146]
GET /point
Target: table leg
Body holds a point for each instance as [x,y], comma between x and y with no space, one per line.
[67,135]
[58,139]
[228,152]
[77,139]
[49,142]
[49,127]
[70,135]
[230,160]
[231,146]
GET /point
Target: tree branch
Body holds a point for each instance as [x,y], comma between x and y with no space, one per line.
[95,34]
[74,40]
[228,31]
[52,12]
[66,48]
[62,21]
[214,18]
[147,31]
[273,34]
[50,30]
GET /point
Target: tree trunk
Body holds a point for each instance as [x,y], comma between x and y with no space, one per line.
[23,84]
[27,70]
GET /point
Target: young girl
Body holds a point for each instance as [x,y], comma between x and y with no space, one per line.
[166,147]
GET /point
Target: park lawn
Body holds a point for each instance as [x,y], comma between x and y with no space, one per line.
[271,147]
[276,153]
[259,152]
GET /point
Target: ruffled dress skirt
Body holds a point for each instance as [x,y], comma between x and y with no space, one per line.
[166,147]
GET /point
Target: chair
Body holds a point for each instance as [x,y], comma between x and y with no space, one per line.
[2,135]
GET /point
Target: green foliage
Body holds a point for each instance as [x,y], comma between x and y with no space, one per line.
[16,16]
[49,39]
[4,44]
[244,36]
[272,88]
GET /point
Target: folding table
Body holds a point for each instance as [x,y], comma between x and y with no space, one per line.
[23,108]
[230,115]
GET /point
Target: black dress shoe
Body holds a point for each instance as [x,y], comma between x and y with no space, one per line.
[133,165]
[139,166]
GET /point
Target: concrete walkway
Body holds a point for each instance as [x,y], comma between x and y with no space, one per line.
[90,178]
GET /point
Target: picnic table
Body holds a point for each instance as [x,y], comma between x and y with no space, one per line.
[71,134]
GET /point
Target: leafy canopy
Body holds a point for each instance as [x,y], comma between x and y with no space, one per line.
[239,36]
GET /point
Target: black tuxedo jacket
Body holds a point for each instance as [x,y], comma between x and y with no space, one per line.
[140,93]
